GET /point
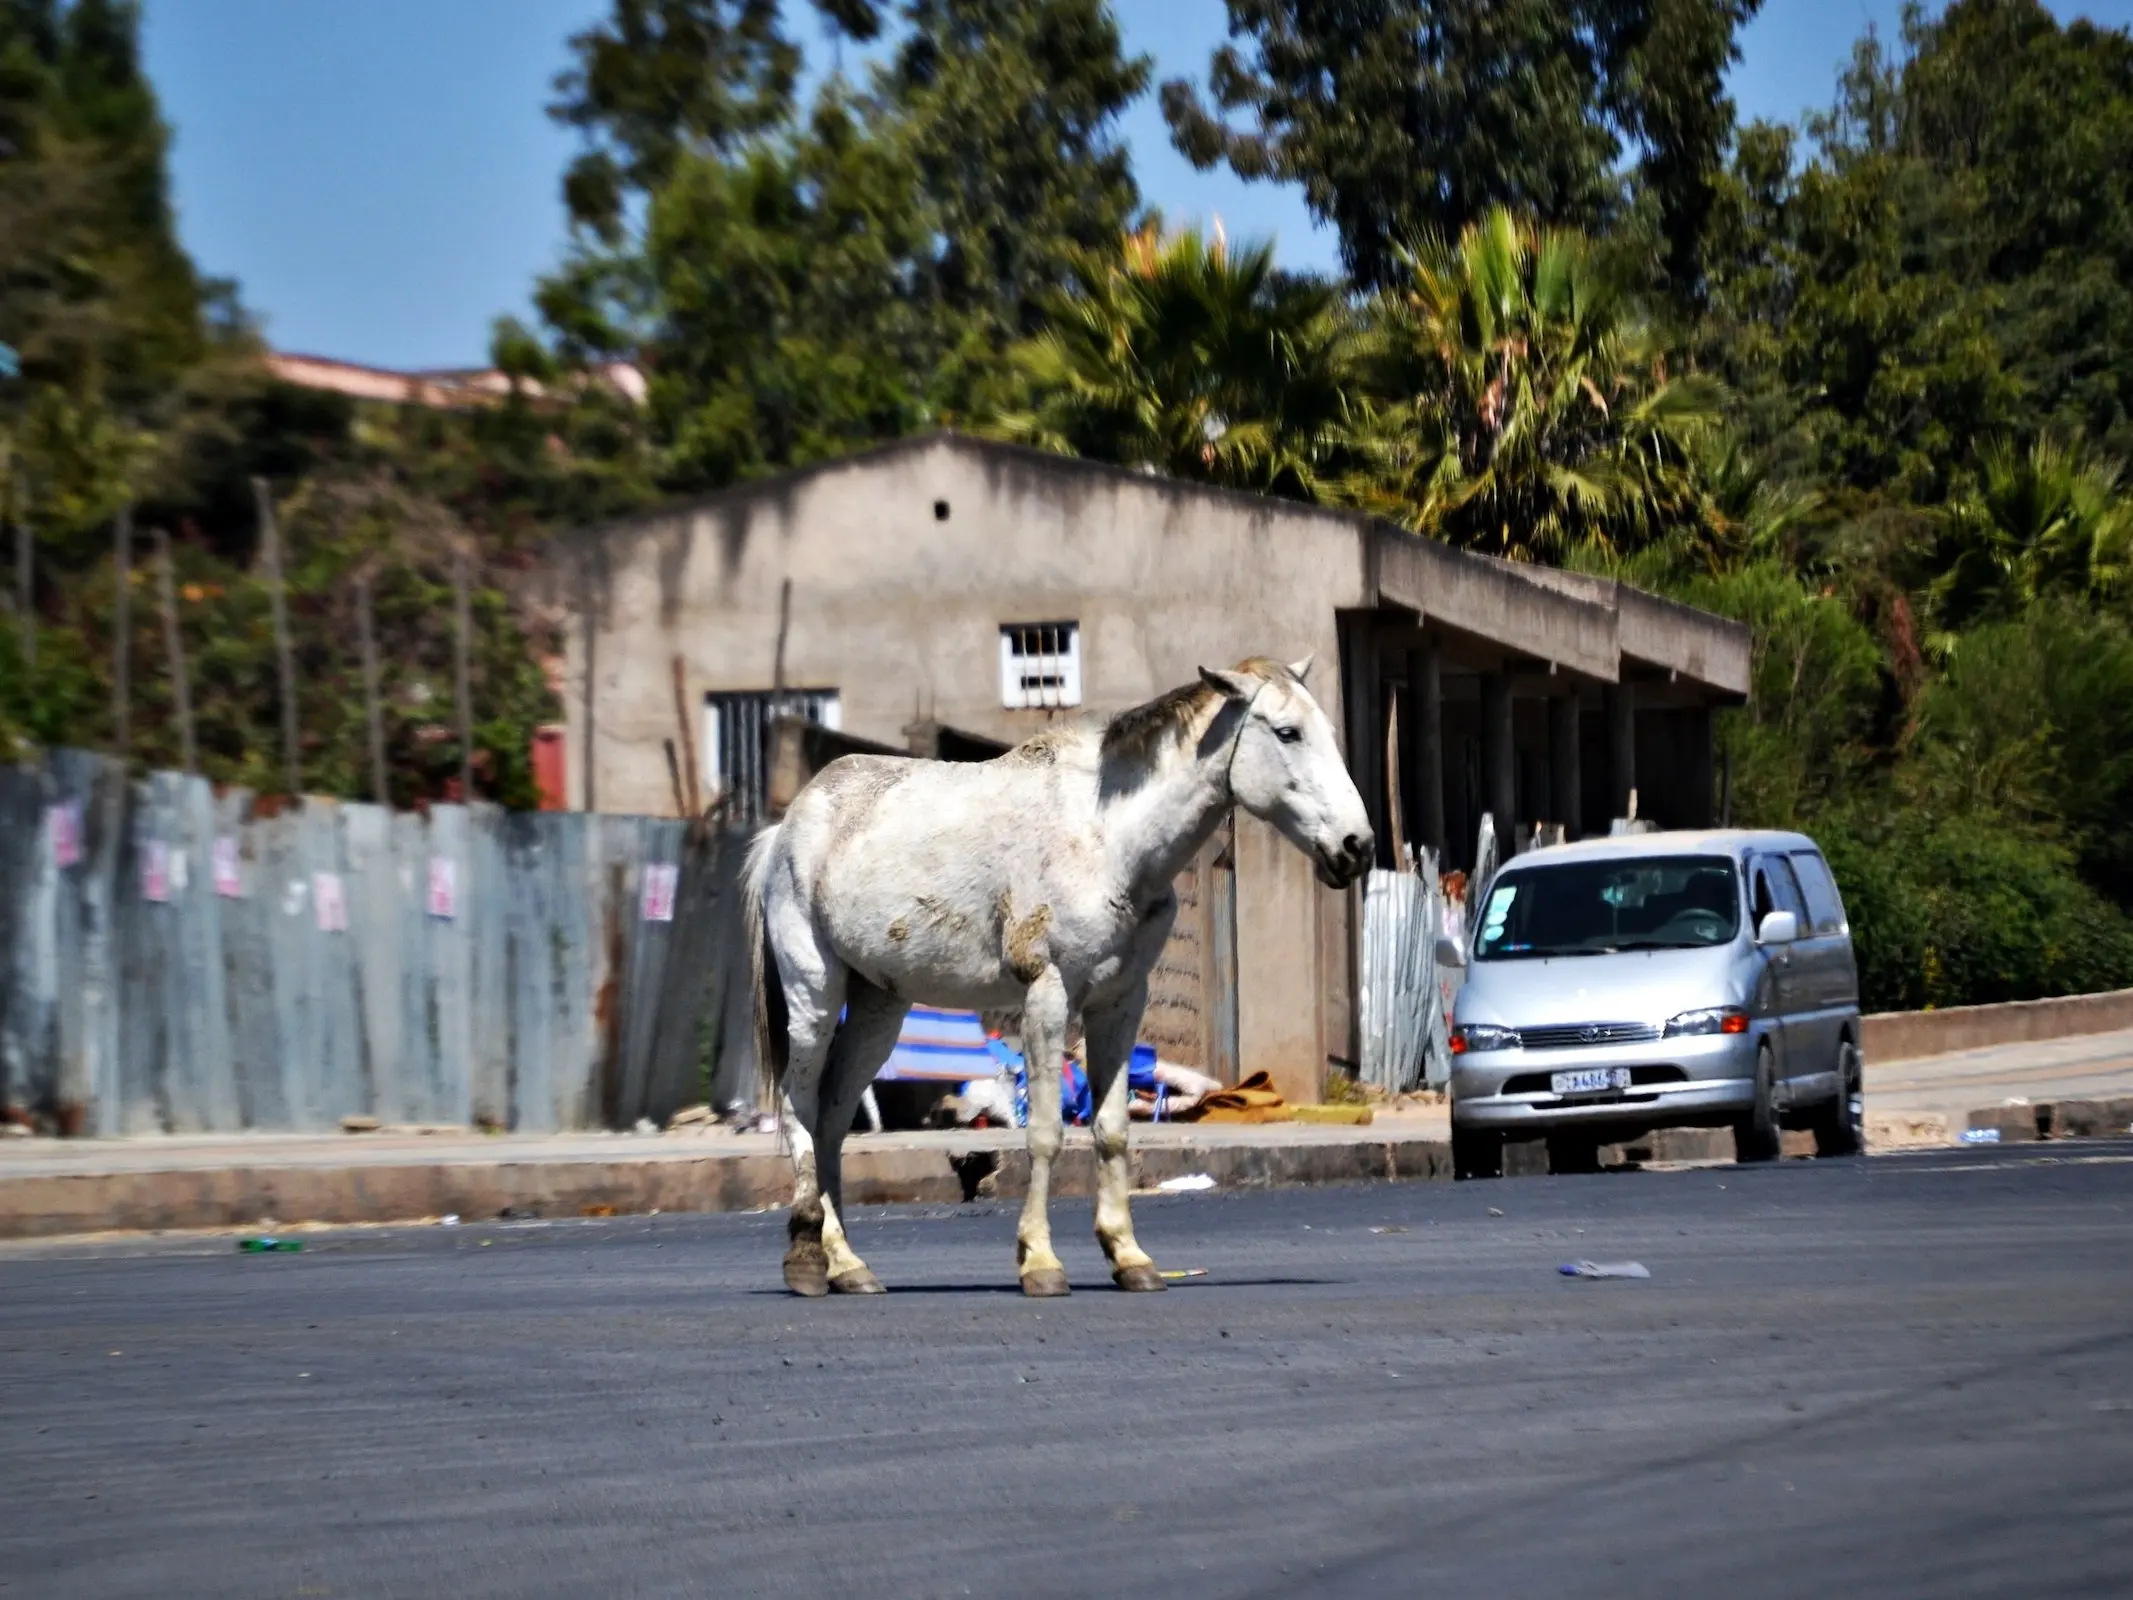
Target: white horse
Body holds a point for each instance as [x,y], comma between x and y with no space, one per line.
[1041,880]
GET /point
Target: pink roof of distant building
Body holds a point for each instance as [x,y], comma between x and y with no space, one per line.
[441,390]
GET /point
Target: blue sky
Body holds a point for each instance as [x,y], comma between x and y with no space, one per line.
[380,178]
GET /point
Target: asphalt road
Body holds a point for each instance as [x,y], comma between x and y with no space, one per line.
[1905,1376]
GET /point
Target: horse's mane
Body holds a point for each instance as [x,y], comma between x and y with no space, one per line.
[1137,736]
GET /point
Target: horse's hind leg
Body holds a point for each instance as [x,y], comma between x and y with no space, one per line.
[873,1018]
[1110,1032]
[814,993]
[1044,1019]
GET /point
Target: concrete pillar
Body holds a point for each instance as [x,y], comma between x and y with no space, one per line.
[1564,780]
[1621,748]
[1698,762]
[1422,748]
[1498,775]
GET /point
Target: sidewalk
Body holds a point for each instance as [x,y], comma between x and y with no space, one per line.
[54,1186]
[58,1186]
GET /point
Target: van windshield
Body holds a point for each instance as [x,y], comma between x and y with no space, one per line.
[1591,908]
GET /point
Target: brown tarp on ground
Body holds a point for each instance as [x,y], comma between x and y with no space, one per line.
[1253,1100]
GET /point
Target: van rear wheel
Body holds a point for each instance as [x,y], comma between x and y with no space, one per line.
[1756,1136]
[1476,1152]
[1840,1124]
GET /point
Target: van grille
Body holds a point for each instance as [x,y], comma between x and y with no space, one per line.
[1575,1034]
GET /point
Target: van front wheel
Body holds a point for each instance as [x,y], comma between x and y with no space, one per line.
[1756,1135]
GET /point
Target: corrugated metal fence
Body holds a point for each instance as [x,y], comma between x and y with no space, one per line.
[174,960]
[1404,1005]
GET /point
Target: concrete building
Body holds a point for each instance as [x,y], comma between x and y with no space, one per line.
[950,595]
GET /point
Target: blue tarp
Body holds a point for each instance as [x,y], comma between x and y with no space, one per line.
[942,1046]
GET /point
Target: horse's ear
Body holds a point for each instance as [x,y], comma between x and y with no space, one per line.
[1303,667]
[1230,685]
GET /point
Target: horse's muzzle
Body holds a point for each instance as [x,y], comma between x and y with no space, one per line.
[1339,868]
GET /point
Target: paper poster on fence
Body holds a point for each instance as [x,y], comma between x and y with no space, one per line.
[63,825]
[332,905]
[155,871]
[444,887]
[228,883]
[660,881]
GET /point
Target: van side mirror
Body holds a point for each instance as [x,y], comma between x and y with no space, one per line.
[1779,927]
[1450,953]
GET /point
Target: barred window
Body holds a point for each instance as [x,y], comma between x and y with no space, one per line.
[735,727]
[1040,665]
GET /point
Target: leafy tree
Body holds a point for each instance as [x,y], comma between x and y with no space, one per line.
[1401,117]
[1528,408]
[2051,520]
[661,79]
[798,289]
[1204,363]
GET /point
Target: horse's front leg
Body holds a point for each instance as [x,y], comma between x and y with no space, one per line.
[1044,1019]
[1110,1032]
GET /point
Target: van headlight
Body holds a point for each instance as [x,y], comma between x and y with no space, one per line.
[1715,1019]
[1475,1039]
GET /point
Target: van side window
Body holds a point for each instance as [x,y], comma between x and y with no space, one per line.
[1776,889]
[1824,906]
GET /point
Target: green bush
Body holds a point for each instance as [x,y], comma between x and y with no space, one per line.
[1961,912]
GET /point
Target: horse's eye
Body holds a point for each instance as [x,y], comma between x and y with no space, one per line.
[1288,735]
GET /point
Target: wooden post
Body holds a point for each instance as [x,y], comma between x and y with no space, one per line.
[777,664]
[462,629]
[681,803]
[688,742]
[270,554]
[373,713]
[1395,813]
[122,633]
[174,647]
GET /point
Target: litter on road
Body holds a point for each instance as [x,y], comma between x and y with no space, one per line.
[1981,1136]
[255,1247]
[1186,1272]
[1604,1269]
[1186,1185]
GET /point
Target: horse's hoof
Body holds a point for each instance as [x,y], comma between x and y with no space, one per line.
[1045,1283]
[858,1281]
[807,1275]
[1138,1280]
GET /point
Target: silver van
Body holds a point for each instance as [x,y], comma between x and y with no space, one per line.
[1656,980]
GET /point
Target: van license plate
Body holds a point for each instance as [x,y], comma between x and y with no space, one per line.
[1593,1080]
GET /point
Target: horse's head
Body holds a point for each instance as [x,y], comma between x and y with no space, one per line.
[1285,768]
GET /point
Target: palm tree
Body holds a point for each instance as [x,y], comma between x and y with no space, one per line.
[2053,519]
[1183,356]
[1525,408]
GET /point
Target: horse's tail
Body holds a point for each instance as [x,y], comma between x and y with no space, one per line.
[771,1039]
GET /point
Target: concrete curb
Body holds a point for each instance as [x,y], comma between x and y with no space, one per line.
[47,1205]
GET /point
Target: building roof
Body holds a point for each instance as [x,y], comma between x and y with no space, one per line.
[1581,623]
